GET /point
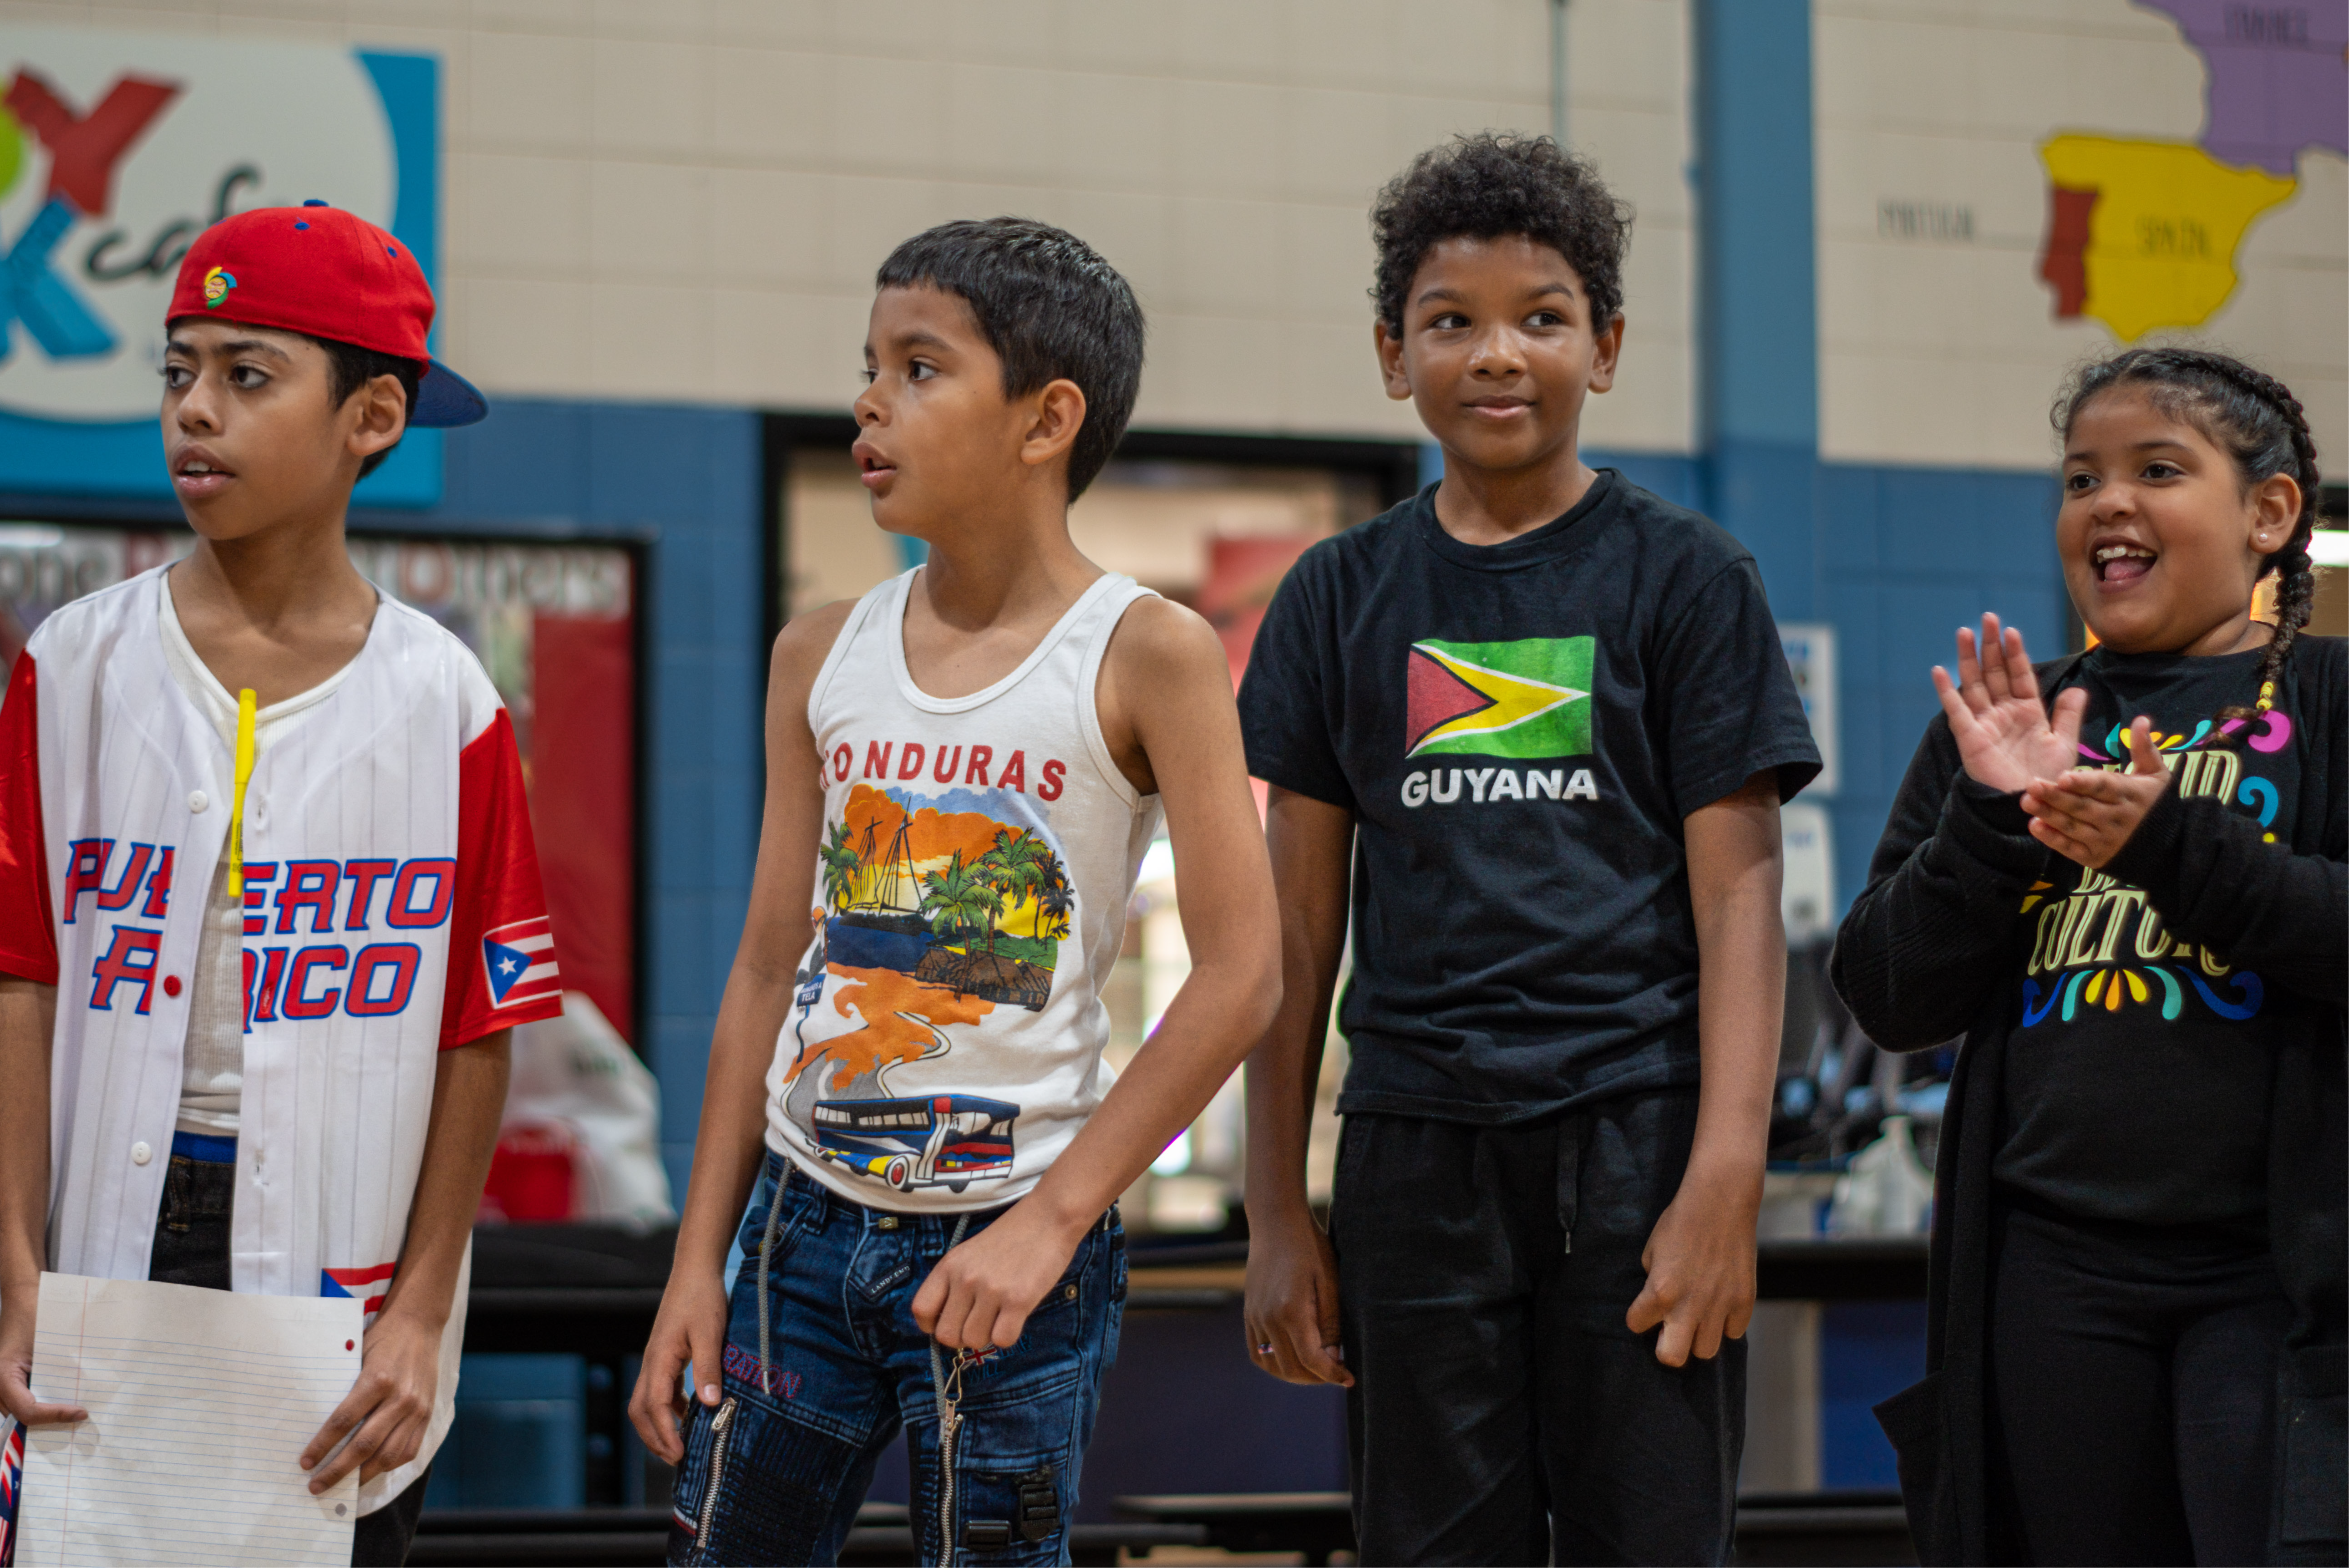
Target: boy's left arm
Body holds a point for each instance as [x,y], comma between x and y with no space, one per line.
[387,1411]
[1699,1258]
[1165,703]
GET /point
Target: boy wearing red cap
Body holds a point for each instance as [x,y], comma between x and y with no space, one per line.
[269,903]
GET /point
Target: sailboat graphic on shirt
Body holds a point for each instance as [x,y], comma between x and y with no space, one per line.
[937,910]
[882,925]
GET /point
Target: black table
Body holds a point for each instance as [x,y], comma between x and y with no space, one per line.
[1855,1268]
[617,1537]
[1773,1528]
[593,1292]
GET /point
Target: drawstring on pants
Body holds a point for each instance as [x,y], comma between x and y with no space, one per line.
[766,1250]
[948,1420]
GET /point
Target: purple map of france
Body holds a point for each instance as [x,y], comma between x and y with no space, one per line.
[2279,77]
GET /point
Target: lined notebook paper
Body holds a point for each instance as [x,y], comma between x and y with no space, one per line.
[200,1403]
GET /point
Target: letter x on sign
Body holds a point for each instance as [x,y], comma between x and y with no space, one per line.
[84,148]
[83,153]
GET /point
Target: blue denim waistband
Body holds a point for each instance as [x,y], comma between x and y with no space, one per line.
[204,1146]
[788,1176]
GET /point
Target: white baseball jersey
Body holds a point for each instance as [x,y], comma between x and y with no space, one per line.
[394,910]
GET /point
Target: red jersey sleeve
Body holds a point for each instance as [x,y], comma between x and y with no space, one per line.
[28,930]
[502,967]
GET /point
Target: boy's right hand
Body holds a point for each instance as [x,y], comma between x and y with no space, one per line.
[17,1367]
[689,1332]
[2003,735]
[1292,1304]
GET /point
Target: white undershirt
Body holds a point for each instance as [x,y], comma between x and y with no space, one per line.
[212,1082]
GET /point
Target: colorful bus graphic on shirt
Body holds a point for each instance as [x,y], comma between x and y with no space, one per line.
[939,1140]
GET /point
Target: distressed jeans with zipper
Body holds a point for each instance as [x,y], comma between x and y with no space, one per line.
[776,1472]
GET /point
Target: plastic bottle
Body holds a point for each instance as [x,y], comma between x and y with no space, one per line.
[1887,1191]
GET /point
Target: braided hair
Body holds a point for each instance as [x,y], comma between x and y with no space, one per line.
[2260,425]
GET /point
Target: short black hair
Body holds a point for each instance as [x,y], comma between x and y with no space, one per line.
[1492,184]
[1051,310]
[350,366]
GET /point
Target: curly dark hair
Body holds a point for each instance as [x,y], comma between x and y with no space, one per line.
[1050,307]
[2261,425]
[1491,184]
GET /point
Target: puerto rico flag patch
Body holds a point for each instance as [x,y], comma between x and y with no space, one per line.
[12,1483]
[519,962]
[368,1285]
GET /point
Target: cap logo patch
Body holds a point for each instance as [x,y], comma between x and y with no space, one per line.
[217,282]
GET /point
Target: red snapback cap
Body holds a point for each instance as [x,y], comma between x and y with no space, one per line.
[324,273]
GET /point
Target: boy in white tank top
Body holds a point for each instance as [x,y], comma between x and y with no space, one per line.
[905,1086]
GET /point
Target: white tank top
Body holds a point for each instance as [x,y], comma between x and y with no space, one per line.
[970,900]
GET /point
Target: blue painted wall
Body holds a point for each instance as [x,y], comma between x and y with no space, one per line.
[1757,332]
[1756,322]
[1904,557]
[1895,558]
[685,482]
[1869,1351]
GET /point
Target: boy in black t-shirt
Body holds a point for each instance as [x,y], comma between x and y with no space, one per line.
[1546,715]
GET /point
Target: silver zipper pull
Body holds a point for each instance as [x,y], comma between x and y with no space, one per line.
[949,1421]
[718,1425]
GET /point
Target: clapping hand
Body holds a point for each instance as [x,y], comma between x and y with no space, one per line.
[2004,735]
[2086,814]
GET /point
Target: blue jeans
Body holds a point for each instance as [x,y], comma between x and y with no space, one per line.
[776,1472]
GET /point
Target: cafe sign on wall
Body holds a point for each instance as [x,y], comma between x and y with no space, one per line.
[117,149]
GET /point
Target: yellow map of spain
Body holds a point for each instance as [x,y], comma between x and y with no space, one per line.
[2144,235]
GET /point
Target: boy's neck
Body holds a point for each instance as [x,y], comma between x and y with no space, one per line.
[985,599]
[1492,506]
[274,580]
[1005,568]
[276,621]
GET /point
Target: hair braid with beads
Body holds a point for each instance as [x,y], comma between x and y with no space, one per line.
[2261,425]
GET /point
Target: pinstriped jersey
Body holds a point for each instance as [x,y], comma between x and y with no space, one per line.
[393,909]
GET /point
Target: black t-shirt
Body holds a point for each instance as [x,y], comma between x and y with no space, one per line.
[1519,729]
[2139,1069]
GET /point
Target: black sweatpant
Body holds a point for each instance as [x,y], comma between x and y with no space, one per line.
[191,1248]
[2133,1379]
[1502,1411]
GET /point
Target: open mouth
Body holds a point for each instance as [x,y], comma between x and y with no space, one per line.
[2119,564]
[196,476]
[872,470]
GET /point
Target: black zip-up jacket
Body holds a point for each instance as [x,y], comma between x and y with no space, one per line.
[1928,952]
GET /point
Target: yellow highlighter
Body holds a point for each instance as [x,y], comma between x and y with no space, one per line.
[244,712]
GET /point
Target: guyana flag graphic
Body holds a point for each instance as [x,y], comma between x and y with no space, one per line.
[1530,698]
